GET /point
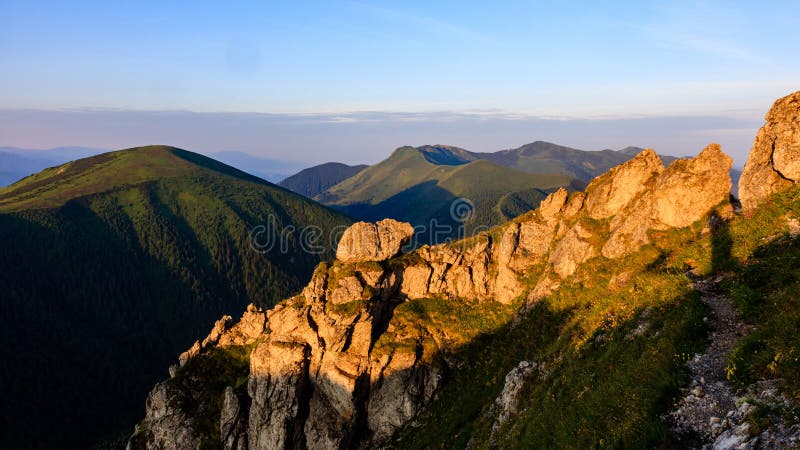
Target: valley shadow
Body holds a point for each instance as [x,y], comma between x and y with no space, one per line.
[82,342]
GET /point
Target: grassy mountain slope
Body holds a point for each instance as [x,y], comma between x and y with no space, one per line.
[114,264]
[310,182]
[418,185]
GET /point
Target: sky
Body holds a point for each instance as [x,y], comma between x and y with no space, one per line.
[350,81]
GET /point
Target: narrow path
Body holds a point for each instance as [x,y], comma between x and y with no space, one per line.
[708,400]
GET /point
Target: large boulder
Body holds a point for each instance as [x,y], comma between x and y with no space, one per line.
[379,241]
[774,161]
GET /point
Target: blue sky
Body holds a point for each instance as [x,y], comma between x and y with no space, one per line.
[570,61]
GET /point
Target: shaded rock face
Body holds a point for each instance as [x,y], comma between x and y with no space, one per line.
[505,405]
[317,378]
[168,426]
[373,241]
[774,161]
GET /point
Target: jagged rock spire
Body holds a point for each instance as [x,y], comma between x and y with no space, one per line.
[774,161]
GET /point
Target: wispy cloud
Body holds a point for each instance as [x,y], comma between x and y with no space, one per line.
[428,24]
[709,28]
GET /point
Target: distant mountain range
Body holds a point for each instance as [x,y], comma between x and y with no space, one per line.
[114,263]
[441,186]
[421,184]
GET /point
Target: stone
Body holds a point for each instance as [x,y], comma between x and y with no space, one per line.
[278,380]
[220,326]
[774,161]
[373,241]
[232,422]
[416,279]
[348,289]
[168,427]
[402,386]
[552,204]
[688,190]
[505,405]
[572,250]
[318,377]
[608,194]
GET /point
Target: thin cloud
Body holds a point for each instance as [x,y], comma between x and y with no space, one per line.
[429,24]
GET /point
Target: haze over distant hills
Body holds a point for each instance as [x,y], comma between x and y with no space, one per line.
[270,169]
[315,180]
[115,263]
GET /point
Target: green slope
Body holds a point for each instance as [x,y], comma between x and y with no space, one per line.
[421,185]
[112,265]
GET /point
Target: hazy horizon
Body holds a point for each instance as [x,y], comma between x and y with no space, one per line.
[367,137]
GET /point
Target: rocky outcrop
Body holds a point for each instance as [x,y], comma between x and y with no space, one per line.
[505,405]
[319,374]
[373,241]
[166,425]
[680,195]
[233,420]
[774,161]
[609,193]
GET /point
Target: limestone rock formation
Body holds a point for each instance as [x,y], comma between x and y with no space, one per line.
[774,161]
[373,241]
[321,377]
[608,194]
[168,426]
[680,195]
[505,405]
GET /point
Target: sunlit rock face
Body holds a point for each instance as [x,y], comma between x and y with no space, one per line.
[379,241]
[774,161]
[677,197]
